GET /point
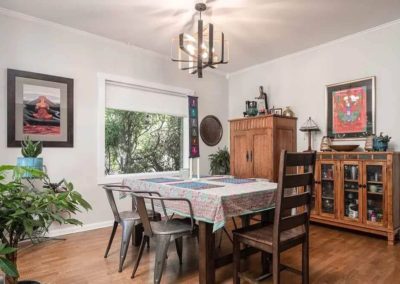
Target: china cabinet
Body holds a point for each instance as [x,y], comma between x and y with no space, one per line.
[256,144]
[358,190]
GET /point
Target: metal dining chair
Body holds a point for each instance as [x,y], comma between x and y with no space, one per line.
[288,230]
[164,231]
[127,219]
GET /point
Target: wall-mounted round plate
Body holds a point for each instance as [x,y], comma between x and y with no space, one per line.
[211,130]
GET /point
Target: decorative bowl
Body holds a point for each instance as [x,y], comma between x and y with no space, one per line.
[344,148]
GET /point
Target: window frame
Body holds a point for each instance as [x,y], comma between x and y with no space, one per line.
[102,80]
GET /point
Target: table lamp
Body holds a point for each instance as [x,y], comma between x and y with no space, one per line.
[309,126]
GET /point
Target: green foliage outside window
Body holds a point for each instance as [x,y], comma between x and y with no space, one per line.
[137,142]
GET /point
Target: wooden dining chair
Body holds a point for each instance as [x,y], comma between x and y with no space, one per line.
[127,220]
[288,230]
[164,231]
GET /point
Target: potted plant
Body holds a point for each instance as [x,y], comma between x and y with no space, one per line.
[219,162]
[28,213]
[30,152]
[381,143]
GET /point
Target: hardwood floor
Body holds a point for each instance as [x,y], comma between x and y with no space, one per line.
[336,257]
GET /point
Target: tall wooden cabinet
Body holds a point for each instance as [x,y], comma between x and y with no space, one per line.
[358,190]
[256,143]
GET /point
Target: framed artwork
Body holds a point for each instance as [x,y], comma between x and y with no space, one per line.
[351,109]
[39,106]
[276,111]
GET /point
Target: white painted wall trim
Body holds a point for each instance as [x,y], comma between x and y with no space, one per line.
[78,229]
[102,80]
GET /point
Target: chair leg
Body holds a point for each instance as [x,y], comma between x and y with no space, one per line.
[114,229]
[236,260]
[179,248]
[127,228]
[305,262]
[145,239]
[161,253]
[276,267]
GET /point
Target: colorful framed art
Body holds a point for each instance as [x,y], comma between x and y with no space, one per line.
[351,109]
[39,106]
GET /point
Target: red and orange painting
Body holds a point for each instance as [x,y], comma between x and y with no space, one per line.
[41,110]
[349,110]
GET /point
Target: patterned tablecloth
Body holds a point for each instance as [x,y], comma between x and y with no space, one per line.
[214,198]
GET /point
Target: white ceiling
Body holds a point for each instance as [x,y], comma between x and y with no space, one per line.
[258,30]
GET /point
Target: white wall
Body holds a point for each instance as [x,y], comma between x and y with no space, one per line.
[33,45]
[299,80]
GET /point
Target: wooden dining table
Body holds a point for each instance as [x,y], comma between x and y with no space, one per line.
[214,199]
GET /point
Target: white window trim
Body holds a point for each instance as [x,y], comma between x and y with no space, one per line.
[102,80]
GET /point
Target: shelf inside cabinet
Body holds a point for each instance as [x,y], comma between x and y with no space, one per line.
[374,182]
[374,193]
[328,197]
[351,190]
[351,180]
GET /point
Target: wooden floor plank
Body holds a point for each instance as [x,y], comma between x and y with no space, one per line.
[336,257]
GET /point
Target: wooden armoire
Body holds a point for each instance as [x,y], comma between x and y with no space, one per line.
[256,144]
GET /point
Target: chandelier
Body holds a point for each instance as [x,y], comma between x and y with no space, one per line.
[206,48]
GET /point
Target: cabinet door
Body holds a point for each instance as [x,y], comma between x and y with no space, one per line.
[261,153]
[351,191]
[314,206]
[241,166]
[327,189]
[374,183]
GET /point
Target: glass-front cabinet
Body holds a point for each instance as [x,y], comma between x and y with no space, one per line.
[358,190]
[351,191]
[327,193]
[374,198]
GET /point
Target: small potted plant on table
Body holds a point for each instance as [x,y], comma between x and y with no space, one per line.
[30,152]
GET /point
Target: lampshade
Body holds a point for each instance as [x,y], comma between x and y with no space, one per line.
[309,125]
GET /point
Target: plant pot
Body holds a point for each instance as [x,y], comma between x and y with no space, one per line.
[380,145]
[35,163]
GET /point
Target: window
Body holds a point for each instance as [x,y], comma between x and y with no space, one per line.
[139,142]
[143,128]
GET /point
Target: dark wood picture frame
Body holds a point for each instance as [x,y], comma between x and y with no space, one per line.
[369,85]
[12,74]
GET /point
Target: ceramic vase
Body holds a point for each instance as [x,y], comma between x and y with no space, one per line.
[326,144]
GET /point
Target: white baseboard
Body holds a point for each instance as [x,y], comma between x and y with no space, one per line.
[78,229]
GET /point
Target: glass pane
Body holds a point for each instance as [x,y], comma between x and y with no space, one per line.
[327,189]
[374,193]
[138,142]
[351,193]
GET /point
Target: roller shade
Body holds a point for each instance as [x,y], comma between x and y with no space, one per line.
[140,99]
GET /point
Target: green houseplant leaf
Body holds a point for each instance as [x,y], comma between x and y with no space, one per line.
[27,213]
[6,265]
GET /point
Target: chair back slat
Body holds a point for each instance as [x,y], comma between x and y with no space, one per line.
[301,186]
[111,201]
[291,222]
[300,159]
[296,200]
[144,216]
[296,180]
